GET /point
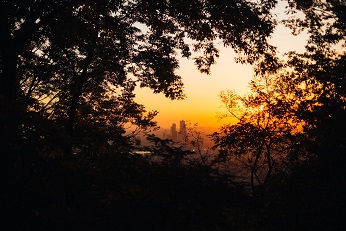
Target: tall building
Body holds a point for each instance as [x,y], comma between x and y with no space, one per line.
[174,133]
[182,130]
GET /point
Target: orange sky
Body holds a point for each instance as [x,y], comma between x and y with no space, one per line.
[202,103]
[202,91]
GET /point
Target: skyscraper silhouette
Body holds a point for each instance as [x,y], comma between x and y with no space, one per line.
[174,132]
[182,131]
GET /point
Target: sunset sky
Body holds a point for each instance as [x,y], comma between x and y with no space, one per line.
[202,103]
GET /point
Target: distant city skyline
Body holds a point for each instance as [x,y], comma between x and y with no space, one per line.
[174,134]
[180,134]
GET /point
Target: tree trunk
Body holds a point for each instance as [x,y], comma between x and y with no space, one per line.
[253,172]
[77,91]
[10,110]
[270,163]
[9,84]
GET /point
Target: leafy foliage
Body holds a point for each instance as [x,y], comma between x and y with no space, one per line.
[68,70]
[294,112]
[320,71]
[76,72]
[264,136]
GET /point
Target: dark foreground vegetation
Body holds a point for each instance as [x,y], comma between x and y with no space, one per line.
[67,79]
[119,191]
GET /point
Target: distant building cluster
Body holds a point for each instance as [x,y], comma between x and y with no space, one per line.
[174,134]
[179,135]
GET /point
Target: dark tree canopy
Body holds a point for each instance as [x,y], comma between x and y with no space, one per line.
[304,100]
[68,71]
[68,58]
[138,37]
[320,73]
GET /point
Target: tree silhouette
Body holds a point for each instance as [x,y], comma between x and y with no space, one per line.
[57,58]
[68,70]
[320,71]
[263,139]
